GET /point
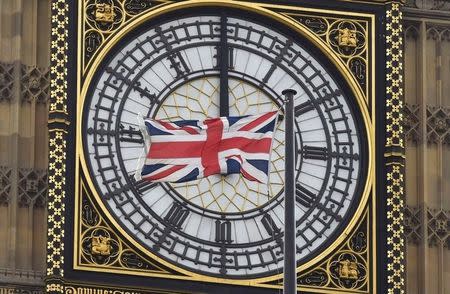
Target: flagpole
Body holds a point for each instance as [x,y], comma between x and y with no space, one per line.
[290,277]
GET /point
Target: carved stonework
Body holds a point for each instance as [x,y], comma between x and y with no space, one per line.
[438,124]
[5,184]
[32,187]
[21,289]
[35,84]
[438,227]
[6,81]
[413,224]
[411,122]
[411,31]
[429,4]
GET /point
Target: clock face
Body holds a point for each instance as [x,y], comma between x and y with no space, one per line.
[205,65]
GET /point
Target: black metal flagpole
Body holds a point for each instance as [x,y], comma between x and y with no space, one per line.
[290,277]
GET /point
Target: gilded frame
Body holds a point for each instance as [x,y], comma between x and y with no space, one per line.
[59,128]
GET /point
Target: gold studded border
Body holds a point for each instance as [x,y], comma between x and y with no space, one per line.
[57,146]
[395,150]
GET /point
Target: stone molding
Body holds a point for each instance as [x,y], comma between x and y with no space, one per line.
[438,226]
[32,187]
[34,83]
[429,4]
[438,124]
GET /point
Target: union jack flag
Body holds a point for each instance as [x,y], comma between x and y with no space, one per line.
[186,150]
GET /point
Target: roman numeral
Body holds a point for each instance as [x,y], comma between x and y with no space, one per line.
[176,215]
[303,108]
[304,196]
[136,85]
[130,134]
[223,231]
[269,225]
[284,51]
[312,152]
[143,186]
[176,60]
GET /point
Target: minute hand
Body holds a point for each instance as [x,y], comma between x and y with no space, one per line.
[223,65]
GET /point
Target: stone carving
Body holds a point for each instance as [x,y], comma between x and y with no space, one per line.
[411,122]
[32,187]
[6,81]
[413,224]
[411,31]
[5,184]
[429,4]
[35,84]
[438,124]
[438,227]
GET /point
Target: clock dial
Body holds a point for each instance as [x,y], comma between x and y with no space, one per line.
[223,226]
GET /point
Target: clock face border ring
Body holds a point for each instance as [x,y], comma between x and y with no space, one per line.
[296,27]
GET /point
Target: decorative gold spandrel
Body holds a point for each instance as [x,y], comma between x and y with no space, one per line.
[347,269]
[100,246]
[103,17]
[347,37]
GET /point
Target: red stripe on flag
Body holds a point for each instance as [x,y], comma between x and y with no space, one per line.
[165,173]
[185,128]
[210,153]
[175,149]
[248,176]
[247,145]
[257,121]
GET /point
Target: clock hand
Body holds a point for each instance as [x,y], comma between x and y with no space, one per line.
[223,66]
[135,85]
